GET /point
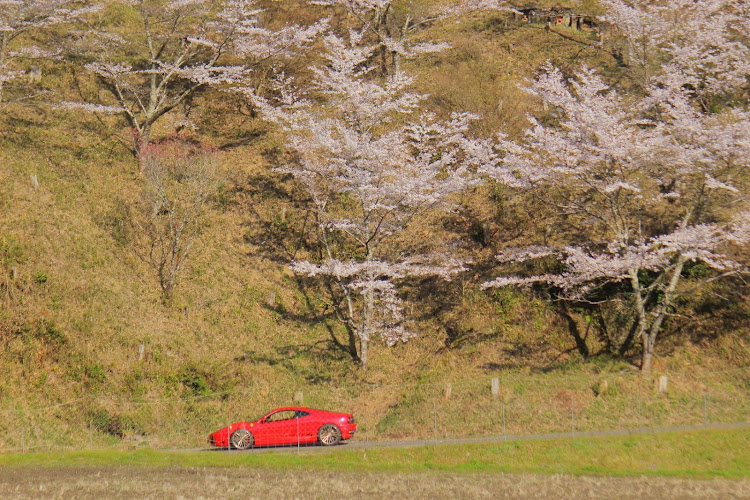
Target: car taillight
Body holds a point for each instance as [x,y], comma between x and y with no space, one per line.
[351,419]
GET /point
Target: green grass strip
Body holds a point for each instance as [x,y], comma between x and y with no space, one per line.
[693,454]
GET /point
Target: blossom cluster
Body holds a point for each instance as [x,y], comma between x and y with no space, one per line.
[369,180]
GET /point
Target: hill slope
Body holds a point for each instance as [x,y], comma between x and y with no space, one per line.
[77,304]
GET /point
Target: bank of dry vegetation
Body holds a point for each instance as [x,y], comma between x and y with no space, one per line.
[82,316]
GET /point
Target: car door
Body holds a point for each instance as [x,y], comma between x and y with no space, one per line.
[308,426]
[278,428]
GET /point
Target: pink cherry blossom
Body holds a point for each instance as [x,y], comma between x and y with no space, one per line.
[182,49]
[653,177]
[368,181]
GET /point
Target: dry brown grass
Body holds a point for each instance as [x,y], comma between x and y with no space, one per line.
[240,322]
[197,483]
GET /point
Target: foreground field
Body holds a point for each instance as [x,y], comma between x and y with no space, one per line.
[175,482]
[700,454]
[697,464]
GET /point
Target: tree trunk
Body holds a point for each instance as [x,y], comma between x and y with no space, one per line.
[350,327]
[661,313]
[167,289]
[364,338]
[363,351]
[352,344]
[642,321]
[383,60]
[142,139]
[647,355]
[350,318]
[383,23]
[3,52]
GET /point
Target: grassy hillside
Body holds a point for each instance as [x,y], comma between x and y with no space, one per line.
[76,302]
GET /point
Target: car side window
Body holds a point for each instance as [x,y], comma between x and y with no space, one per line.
[301,414]
[281,415]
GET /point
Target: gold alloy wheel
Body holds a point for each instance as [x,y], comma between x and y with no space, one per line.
[242,439]
[329,435]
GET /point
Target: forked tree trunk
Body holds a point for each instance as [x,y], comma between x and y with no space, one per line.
[649,333]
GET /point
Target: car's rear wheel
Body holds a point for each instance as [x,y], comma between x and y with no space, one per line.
[329,435]
[242,439]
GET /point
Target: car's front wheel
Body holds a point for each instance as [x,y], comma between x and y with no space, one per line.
[242,439]
[329,435]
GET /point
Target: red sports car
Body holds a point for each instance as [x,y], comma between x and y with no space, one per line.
[285,426]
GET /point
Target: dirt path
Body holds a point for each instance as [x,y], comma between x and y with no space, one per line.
[158,483]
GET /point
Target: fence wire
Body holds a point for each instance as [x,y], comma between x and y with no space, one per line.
[434,410]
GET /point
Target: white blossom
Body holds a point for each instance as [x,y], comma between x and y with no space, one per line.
[653,177]
[19,20]
[89,107]
[382,24]
[369,178]
[184,48]
[706,40]
[469,6]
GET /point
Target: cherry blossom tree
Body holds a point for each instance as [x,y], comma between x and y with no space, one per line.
[392,27]
[369,176]
[179,50]
[377,23]
[704,41]
[656,183]
[19,20]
